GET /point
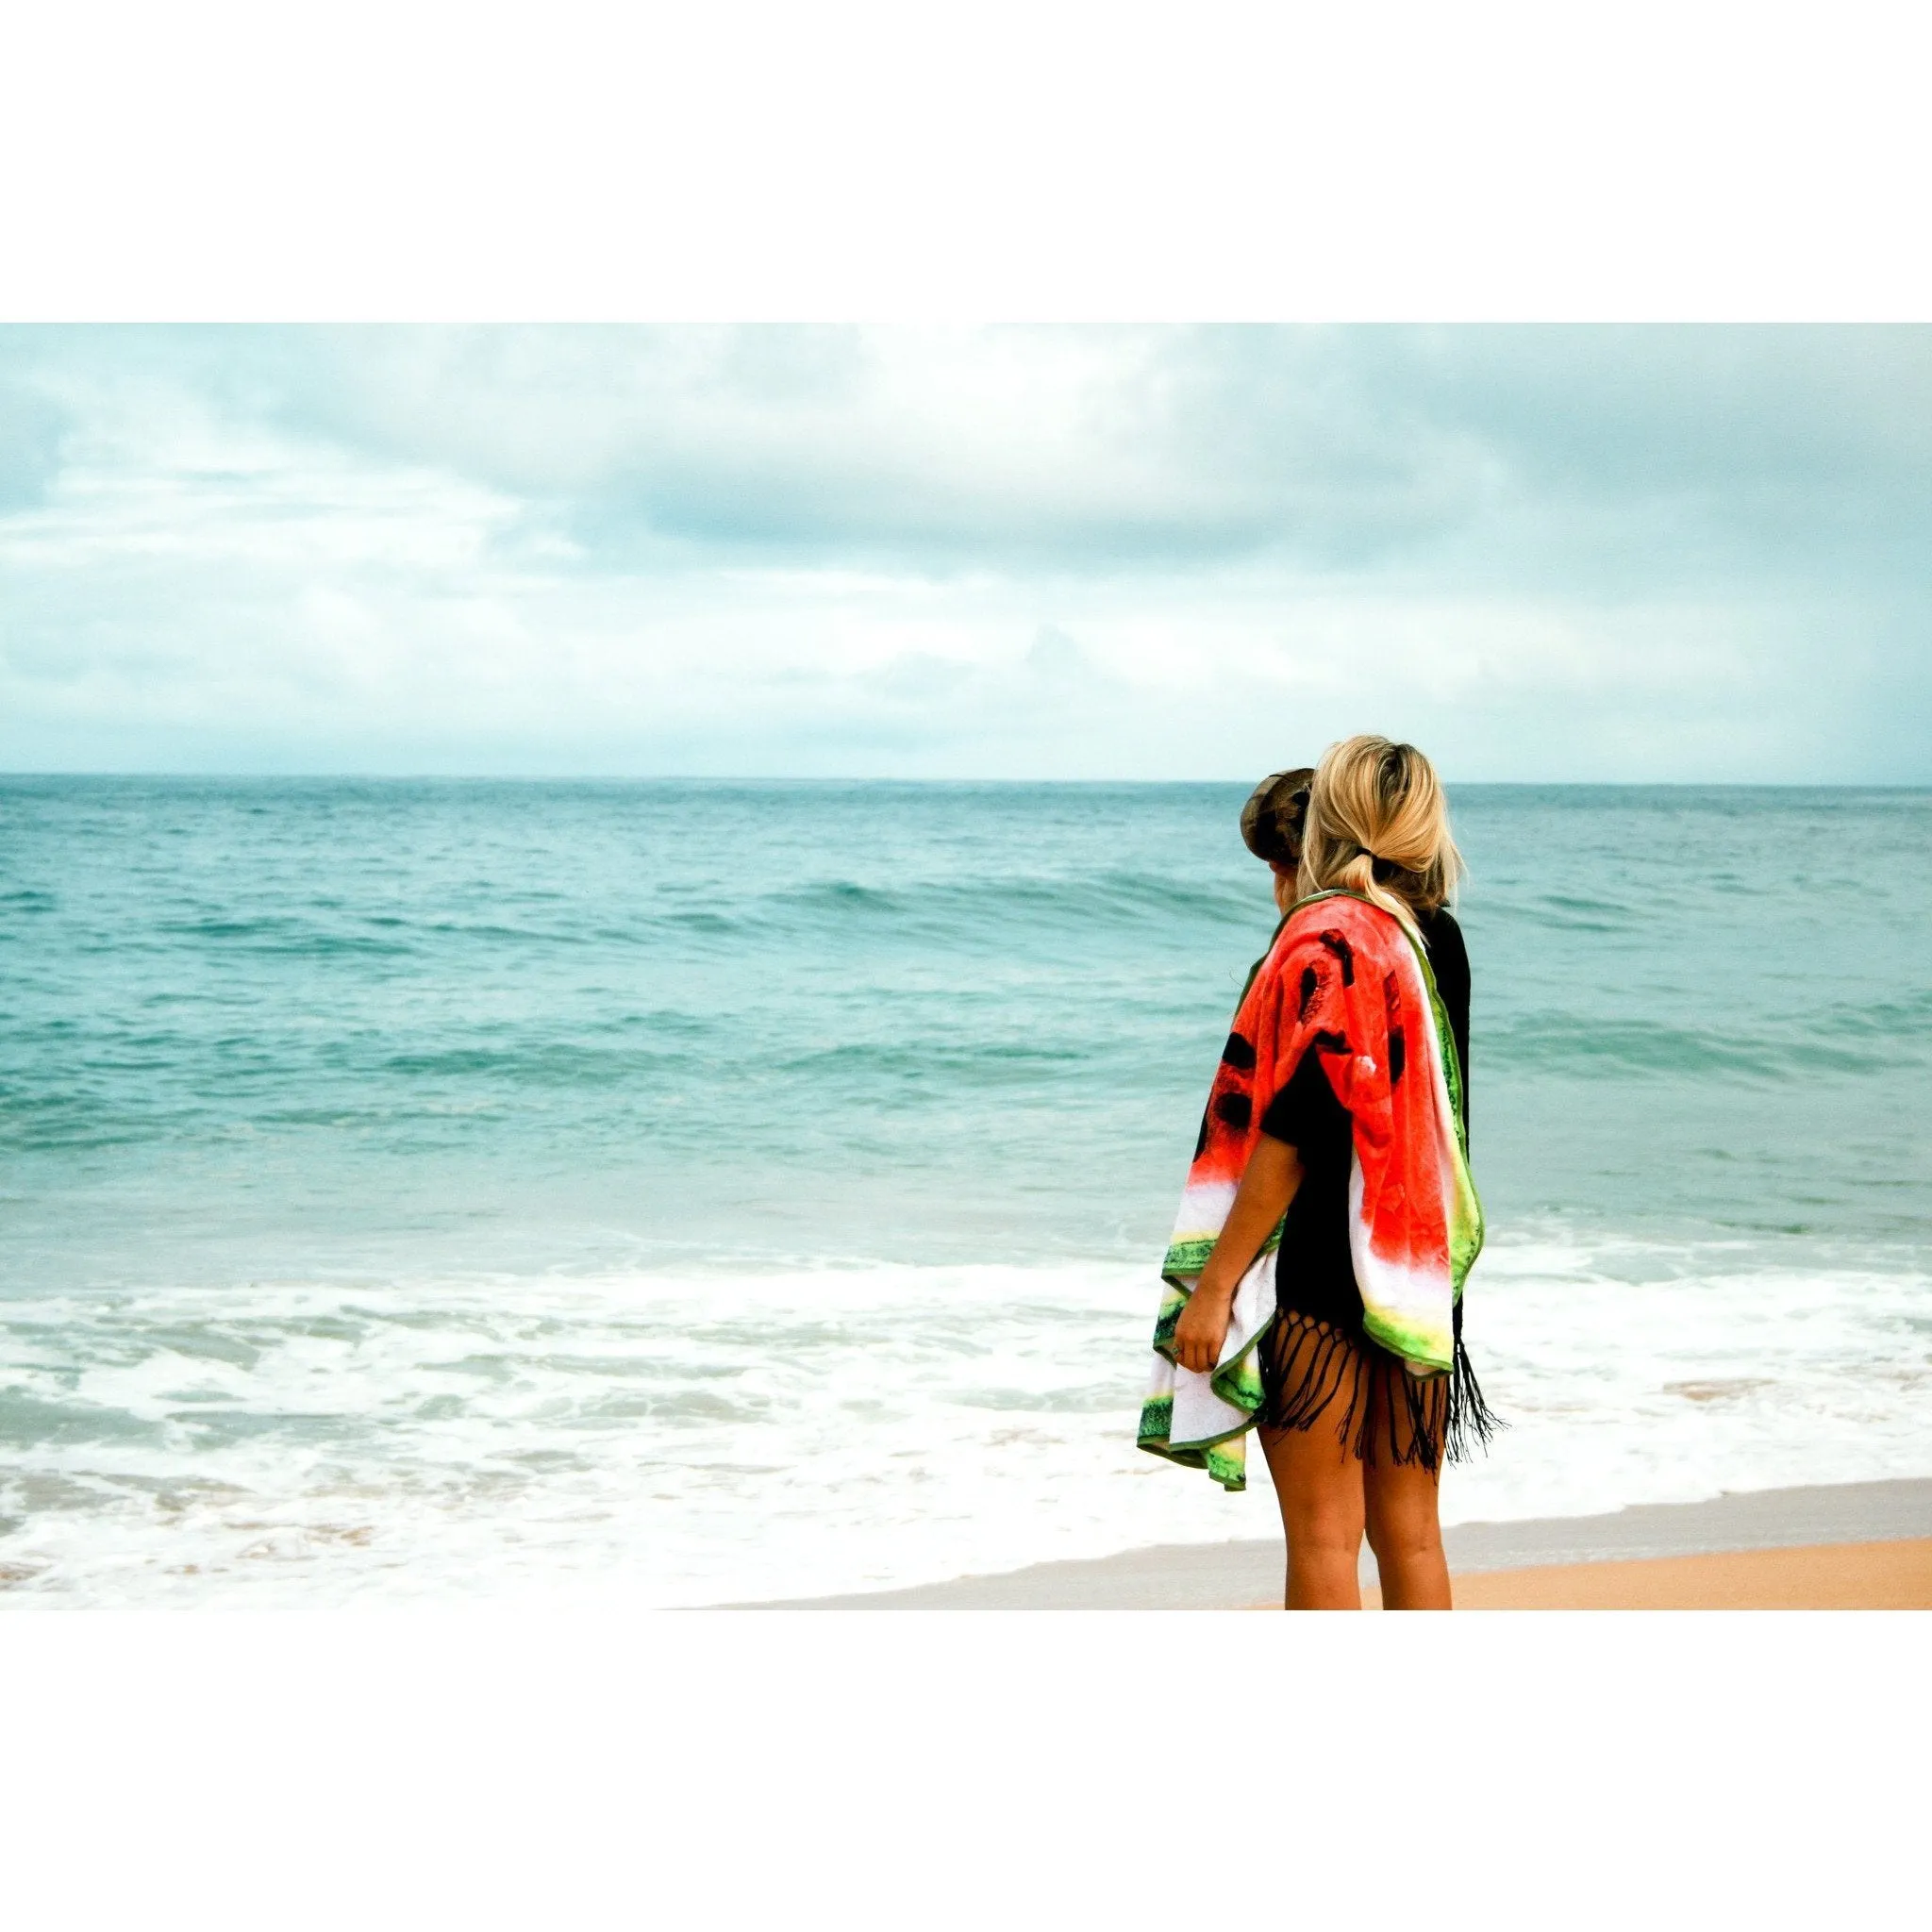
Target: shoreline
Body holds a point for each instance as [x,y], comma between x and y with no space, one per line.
[1845,1545]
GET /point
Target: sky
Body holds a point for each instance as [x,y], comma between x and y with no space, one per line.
[1697,554]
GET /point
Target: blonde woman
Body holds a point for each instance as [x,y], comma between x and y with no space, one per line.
[1340,1105]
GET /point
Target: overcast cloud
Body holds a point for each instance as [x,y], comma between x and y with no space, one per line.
[1673,554]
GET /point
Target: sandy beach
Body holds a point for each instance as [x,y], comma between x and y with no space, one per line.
[1841,1547]
[1819,1576]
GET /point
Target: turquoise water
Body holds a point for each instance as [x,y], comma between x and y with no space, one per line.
[479,1073]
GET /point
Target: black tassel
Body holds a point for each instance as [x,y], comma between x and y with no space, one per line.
[1472,1421]
[1309,1365]
[1421,1406]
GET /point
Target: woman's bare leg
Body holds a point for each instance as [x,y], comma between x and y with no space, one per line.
[1318,1482]
[1400,1508]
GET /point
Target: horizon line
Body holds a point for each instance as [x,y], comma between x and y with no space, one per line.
[486,778]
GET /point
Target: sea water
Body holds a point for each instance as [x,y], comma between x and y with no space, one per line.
[694,1193]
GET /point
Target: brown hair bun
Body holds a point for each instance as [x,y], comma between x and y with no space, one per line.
[1276,816]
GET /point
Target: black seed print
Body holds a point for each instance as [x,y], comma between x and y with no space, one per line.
[1311,986]
[1343,951]
[1236,1110]
[1398,1056]
[1238,1054]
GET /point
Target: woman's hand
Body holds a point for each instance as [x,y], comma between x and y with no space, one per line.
[1274,1174]
[1202,1328]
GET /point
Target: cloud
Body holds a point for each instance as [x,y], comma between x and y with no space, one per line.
[31,430]
[1124,449]
[1696,553]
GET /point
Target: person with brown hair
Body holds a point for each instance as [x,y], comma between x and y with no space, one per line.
[1339,1120]
[1273,823]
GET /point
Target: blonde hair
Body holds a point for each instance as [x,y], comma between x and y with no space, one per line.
[1378,825]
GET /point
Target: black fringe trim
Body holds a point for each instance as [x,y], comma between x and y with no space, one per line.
[1472,1421]
[1307,1366]
[1387,1417]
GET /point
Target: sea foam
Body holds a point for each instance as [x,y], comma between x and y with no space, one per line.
[676,1439]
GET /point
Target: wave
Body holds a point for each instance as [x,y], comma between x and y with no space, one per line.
[963,917]
[684,1437]
[1591,1046]
[544,1064]
[288,935]
[983,1063]
[982,911]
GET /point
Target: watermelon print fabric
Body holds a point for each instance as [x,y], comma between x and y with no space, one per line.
[1346,981]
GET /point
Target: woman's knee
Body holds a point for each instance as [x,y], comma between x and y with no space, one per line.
[1404,1541]
[1403,1531]
[1403,1524]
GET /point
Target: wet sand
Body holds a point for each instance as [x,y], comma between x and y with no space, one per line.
[1842,1546]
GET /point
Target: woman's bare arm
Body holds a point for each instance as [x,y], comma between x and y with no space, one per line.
[1274,1174]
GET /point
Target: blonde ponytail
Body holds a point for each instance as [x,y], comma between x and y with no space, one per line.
[1378,825]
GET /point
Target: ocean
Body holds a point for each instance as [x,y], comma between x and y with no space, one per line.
[690,1192]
